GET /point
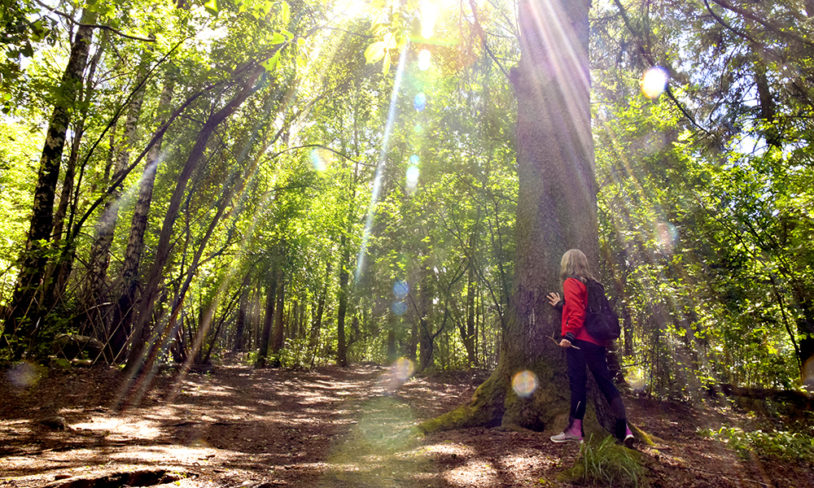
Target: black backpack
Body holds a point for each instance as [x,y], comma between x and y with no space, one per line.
[600,319]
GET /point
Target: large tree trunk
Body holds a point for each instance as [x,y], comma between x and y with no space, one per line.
[23,314]
[556,211]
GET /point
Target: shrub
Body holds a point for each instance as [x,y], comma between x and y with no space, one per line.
[782,445]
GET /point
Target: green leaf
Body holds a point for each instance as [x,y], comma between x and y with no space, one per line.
[285,12]
[374,52]
[271,63]
[212,7]
[278,38]
[386,64]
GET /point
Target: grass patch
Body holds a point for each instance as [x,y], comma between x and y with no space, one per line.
[607,463]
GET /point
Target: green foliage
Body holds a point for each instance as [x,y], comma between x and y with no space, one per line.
[780,445]
[606,463]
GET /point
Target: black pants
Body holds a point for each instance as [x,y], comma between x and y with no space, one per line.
[593,357]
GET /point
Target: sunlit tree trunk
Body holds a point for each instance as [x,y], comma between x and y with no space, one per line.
[468,332]
[24,311]
[556,210]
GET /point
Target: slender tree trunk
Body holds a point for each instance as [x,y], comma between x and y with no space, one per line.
[556,210]
[268,321]
[316,325]
[344,278]
[278,332]
[468,332]
[424,318]
[151,290]
[240,322]
[79,129]
[23,314]
[98,291]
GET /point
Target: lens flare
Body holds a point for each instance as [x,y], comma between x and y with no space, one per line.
[401,289]
[23,375]
[808,375]
[424,60]
[420,102]
[524,383]
[412,177]
[399,308]
[403,369]
[414,160]
[418,129]
[316,161]
[636,379]
[666,236]
[654,82]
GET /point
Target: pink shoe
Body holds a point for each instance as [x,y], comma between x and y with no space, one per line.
[572,433]
[628,441]
[565,437]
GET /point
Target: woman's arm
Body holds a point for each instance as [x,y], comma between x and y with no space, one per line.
[574,309]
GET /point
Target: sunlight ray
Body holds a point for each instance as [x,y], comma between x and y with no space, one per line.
[564,79]
[377,179]
[621,220]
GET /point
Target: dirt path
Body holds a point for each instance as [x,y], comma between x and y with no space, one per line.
[240,427]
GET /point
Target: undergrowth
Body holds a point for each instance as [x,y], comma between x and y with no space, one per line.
[607,464]
[782,445]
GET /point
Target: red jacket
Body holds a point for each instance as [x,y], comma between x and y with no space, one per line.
[575,295]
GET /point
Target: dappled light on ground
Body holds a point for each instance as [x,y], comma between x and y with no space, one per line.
[331,427]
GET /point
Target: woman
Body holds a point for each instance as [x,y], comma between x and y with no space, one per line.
[583,350]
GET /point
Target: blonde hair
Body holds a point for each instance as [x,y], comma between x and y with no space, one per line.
[574,263]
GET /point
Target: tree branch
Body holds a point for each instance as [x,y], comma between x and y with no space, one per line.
[71,20]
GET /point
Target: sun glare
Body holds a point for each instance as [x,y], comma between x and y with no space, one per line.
[654,82]
[429,13]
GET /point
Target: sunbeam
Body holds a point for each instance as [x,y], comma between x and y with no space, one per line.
[377,179]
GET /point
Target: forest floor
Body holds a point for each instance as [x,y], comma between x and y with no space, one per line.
[330,427]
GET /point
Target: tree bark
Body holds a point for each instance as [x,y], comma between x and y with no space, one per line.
[23,314]
[556,211]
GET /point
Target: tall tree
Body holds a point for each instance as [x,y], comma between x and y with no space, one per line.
[22,315]
[556,210]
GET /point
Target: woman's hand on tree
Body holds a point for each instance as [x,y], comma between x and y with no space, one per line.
[554,298]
